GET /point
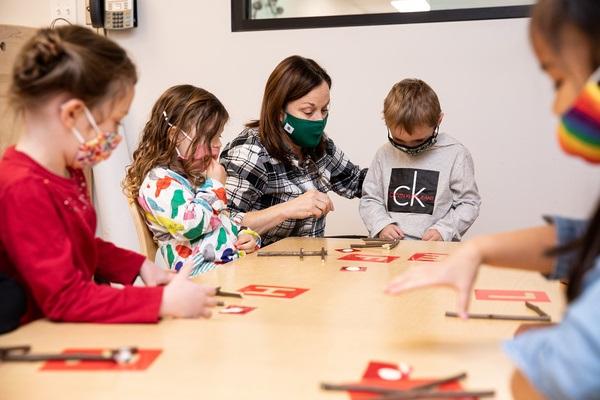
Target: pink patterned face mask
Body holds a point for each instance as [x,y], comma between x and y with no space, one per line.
[93,151]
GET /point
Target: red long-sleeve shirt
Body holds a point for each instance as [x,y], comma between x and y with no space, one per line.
[48,243]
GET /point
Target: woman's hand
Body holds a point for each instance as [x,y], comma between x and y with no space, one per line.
[183,298]
[153,275]
[310,204]
[391,232]
[458,271]
[246,243]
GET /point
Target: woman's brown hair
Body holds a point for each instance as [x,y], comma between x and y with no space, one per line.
[69,59]
[181,108]
[292,79]
[549,19]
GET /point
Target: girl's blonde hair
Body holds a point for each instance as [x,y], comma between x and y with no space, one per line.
[181,108]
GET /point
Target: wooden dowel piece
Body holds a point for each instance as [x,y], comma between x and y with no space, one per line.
[436,395]
[502,317]
[536,309]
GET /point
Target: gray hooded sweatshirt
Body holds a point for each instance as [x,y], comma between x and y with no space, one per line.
[433,189]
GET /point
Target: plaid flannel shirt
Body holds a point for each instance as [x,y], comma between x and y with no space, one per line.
[256,181]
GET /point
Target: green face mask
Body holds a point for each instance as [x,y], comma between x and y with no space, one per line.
[304,132]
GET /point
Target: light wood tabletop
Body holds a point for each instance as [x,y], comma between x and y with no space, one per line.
[285,347]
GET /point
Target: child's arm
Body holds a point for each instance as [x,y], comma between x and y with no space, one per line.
[563,361]
[116,264]
[466,200]
[42,255]
[372,206]
[172,203]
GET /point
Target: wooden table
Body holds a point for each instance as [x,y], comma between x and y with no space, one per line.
[285,347]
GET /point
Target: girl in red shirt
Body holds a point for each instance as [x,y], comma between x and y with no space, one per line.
[73,88]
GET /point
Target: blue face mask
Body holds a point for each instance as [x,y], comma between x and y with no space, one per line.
[414,150]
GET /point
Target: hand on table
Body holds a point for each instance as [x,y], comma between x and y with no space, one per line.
[458,271]
[432,235]
[246,243]
[391,232]
[183,298]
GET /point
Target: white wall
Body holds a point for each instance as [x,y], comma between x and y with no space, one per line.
[495,99]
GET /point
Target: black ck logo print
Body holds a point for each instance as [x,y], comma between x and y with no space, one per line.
[412,190]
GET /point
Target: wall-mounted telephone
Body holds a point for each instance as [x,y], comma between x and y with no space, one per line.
[113,14]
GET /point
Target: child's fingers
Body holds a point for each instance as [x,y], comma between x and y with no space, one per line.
[209,290]
[250,245]
[398,230]
[186,270]
[243,241]
[211,302]
[464,297]
[206,313]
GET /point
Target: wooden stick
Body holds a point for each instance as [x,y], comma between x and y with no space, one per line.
[223,293]
[390,246]
[536,309]
[302,253]
[359,388]
[424,394]
[545,318]
[367,245]
[387,390]
[441,381]
[120,355]
[383,245]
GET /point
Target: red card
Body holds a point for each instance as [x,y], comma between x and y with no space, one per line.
[348,250]
[237,310]
[382,371]
[353,269]
[512,295]
[376,371]
[368,258]
[143,359]
[283,292]
[431,257]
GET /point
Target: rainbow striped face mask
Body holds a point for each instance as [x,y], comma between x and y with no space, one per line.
[579,129]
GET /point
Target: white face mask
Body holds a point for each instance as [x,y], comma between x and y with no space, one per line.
[188,137]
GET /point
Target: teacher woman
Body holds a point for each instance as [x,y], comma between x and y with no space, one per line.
[281,167]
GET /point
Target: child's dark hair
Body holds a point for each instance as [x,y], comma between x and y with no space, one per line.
[69,59]
[549,19]
[187,108]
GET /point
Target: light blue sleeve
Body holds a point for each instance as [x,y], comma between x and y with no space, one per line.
[567,230]
[563,362]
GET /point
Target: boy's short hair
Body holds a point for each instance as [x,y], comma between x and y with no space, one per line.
[411,103]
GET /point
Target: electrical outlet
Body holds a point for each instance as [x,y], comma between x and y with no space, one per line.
[66,9]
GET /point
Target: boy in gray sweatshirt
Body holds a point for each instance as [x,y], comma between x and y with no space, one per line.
[421,184]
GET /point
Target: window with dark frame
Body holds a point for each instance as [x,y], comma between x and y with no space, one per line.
[243,16]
